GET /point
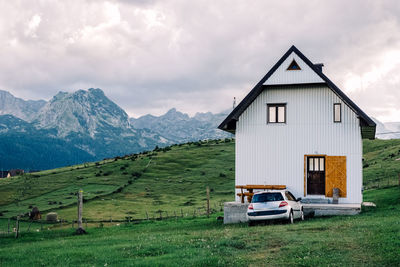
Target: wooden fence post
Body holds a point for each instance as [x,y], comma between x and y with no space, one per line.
[80,229]
[147,215]
[208,201]
[17,227]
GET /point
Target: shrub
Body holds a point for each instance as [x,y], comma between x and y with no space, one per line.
[52,217]
[222,175]
[136,174]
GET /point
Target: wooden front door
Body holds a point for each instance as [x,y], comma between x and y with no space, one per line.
[316,175]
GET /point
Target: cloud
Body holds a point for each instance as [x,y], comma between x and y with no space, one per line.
[149,56]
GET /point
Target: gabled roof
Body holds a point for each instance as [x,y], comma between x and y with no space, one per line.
[368,126]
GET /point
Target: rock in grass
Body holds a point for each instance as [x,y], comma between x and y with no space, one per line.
[80,231]
[52,217]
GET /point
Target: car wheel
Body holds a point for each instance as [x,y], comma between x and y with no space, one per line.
[302,215]
[291,219]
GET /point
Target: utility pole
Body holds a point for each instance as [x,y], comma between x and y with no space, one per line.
[80,229]
[208,201]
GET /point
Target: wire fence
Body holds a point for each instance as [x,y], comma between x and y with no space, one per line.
[13,227]
[382,182]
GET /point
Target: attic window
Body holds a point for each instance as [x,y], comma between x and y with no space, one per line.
[294,66]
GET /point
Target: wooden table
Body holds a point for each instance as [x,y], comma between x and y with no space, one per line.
[251,187]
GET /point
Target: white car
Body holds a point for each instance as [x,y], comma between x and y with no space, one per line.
[274,205]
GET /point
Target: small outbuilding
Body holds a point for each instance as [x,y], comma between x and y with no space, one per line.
[4,174]
[15,172]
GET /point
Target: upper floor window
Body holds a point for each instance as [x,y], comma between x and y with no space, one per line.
[276,113]
[337,112]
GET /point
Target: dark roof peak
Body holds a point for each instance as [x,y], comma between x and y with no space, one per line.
[229,124]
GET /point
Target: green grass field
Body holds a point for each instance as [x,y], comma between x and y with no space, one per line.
[175,181]
[371,238]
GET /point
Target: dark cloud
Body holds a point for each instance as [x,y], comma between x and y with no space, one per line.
[149,56]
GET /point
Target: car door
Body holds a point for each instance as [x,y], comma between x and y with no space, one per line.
[294,204]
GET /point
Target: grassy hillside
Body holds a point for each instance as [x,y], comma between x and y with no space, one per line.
[168,180]
[381,163]
[369,239]
[171,180]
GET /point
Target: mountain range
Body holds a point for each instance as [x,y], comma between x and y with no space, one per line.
[86,126]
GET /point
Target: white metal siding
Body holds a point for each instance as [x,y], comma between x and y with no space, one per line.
[283,76]
[274,153]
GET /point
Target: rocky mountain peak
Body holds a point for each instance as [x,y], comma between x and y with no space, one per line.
[23,109]
[84,111]
[175,115]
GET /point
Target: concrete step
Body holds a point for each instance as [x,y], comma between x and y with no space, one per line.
[315,201]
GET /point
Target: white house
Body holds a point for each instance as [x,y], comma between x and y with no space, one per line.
[297,128]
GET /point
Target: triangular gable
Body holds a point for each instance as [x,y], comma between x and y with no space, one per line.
[284,75]
[313,75]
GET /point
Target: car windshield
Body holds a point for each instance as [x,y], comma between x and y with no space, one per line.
[267,197]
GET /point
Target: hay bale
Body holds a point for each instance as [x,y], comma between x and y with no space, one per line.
[52,217]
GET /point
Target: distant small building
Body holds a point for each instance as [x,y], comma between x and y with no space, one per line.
[15,172]
[3,174]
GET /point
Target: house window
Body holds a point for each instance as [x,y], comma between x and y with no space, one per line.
[276,113]
[337,112]
[294,66]
[316,164]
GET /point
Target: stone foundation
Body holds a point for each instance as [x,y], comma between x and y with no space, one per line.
[235,212]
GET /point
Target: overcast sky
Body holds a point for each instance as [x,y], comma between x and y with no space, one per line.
[150,56]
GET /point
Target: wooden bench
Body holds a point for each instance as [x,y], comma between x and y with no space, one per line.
[251,187]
